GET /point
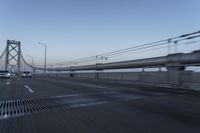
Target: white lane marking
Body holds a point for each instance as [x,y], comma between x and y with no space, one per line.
[8,83]
[82,84]
[29,89]
[83,94]
[103,102]
[86,104]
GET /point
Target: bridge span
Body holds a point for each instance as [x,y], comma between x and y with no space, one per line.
[87,98]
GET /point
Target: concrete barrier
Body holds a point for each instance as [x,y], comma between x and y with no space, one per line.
[176,79]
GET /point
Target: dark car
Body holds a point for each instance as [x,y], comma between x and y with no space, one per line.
[26,75]
[5,74]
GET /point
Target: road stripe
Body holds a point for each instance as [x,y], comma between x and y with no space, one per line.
[29,89]
[83,94]
[8,83]
[86,104]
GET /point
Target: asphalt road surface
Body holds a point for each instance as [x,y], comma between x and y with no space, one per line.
[47,105]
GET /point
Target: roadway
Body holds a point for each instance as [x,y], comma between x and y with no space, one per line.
[58,105]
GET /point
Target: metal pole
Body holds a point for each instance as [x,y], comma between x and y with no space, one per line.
[175,46]
[32,70]
[7,55]
[96,59]
[45,64]
[169,47]
[19,55]
[31,59]
[45,58]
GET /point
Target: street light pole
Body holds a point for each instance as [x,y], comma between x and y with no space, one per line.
[32,70]
[31,59]
[45,59]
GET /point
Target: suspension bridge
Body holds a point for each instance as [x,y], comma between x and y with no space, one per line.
[104,93]
[12,57]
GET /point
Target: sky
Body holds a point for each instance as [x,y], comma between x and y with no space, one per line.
[79,28]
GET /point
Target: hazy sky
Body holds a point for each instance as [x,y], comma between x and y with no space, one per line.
[79,28]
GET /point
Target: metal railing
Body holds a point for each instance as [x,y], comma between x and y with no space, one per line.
[171,61]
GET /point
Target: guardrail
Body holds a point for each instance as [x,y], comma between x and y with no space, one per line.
[172,62]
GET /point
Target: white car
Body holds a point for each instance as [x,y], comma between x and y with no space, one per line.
[26,75]
[5,74]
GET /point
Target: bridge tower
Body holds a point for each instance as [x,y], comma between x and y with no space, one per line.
[13,54]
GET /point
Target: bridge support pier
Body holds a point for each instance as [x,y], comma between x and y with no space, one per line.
[13,54]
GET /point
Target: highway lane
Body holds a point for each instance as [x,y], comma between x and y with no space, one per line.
[94,107]
[46,87]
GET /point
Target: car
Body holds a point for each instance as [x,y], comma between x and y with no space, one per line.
[5,74]
[26,74]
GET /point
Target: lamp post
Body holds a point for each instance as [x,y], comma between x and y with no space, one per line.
[32,70]
[45,59]
[31,59]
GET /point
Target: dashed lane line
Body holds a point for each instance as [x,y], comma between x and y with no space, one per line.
[29,89]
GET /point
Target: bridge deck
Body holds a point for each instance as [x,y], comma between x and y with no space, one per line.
[59,105]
